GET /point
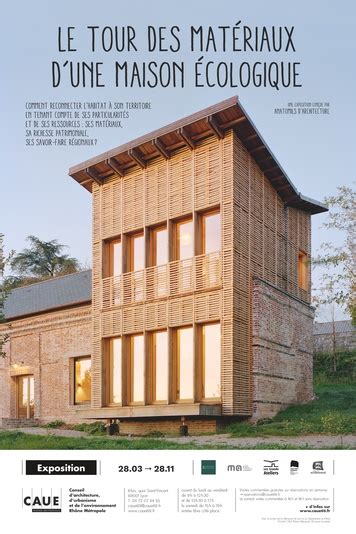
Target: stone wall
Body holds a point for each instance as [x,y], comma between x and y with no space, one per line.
[282,350]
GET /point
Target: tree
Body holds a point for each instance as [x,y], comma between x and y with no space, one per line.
[42,259]
[3,337]
[338,281]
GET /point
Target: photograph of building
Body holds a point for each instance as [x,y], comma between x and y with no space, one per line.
[197,309]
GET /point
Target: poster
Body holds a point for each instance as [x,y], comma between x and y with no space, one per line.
[176,341]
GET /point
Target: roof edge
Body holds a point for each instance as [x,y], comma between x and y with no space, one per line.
[104,165]
[50,279]
[68,306]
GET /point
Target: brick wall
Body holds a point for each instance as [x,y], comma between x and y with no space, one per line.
[45,345]
[282,350]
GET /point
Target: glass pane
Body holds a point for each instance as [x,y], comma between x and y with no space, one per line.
[116,259]
[303,270]
[138,251]
[83,380]
[137,369]
[185,355]
[22,382]
[161,246]
[32,396]
[185,245]
[212,233]
[161,366]
[115,371]
[211,355]
[26,397]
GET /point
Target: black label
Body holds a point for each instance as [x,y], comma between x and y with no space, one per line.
[61,467]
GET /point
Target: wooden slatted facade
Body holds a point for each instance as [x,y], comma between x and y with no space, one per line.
[264,225]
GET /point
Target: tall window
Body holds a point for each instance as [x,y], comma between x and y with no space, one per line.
[184,363]
[115,258]
[112,268]
[134,286]
[211,361]
[159,349]
[303,275]
[136,369]
[208,269]
[181,274]
[157,278]
[82,378]
[159,246]
[211,232]
[115,371]
[25,397]
[137,252]
[184,246]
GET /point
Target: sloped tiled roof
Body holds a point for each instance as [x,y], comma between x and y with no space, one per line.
[341,327]
[47,295]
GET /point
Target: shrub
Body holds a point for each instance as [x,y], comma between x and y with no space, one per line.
[55,424]
[323,363]
[91,428]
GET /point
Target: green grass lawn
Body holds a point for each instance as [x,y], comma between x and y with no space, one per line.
[21,441]
[334,412]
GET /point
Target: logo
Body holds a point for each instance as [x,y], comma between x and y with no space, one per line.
[61,467]
[318,468]
[239,467]
[47,500]
[270,467]
[208,467]
[294,467]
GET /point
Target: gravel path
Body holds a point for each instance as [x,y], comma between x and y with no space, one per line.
[311,441]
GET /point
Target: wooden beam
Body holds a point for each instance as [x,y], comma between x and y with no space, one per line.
[250,137]
[265,159]
[214,127]
[285,186]
[188,141]
[93,175]
[137,158]
[182,409]
[114,167]
[87,181]
[270,169]
[257,149]
[233,122]
[161,148]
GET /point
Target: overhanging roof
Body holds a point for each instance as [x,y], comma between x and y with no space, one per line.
[214,120]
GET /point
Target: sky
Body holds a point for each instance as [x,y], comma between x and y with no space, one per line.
[37,195]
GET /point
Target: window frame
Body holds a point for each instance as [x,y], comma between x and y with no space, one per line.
[18,388]
[202,359]
[131,251]
[202,229]
[75,360]
[109,381]
[108,265]
[153,367]
[130,368]
[152,259]
[176,248]
[303,270]
[176,355]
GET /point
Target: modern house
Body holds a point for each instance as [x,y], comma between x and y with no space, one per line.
[200,304]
